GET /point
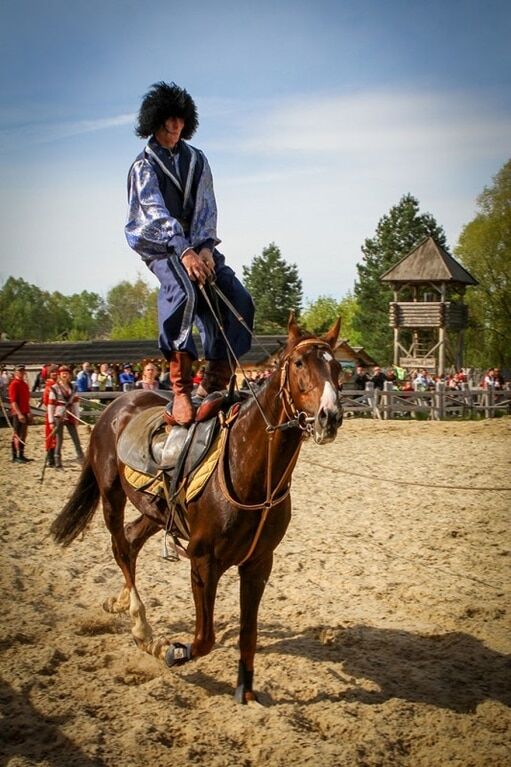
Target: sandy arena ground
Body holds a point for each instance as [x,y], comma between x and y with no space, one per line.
[384,630]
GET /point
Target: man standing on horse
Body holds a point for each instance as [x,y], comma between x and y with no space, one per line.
[172,220]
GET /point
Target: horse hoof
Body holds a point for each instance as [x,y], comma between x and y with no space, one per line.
[177,654]
[244,696]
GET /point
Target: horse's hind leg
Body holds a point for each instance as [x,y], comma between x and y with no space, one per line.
[113,502]
[136,534]
[125,549]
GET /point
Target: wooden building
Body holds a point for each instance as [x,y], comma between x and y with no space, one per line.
[264,351]
[428,315]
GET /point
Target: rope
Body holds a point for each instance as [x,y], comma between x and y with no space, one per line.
[404,482]
[416,561]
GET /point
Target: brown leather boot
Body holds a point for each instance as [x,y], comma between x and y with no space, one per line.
[180,371]
[217,377]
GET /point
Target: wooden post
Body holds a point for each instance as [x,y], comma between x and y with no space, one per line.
[438,409]
[371,399]
[441,338]
[387,399]
[489,411]
[396,333]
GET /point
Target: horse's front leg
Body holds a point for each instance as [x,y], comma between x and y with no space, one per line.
[253,579]
[205,574]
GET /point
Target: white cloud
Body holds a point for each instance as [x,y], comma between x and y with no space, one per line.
[379,122]
[316,175]
[43,132]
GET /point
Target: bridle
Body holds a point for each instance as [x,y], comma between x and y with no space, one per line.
[295,419]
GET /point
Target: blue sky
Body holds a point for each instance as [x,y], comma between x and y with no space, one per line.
[316,118]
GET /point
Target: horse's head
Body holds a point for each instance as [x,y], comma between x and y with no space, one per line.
[310,376]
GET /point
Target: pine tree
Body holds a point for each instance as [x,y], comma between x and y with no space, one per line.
[275,287]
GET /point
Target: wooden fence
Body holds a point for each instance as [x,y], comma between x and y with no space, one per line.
[390,403]
[437,404]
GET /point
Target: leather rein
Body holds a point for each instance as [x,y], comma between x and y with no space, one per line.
[295,419]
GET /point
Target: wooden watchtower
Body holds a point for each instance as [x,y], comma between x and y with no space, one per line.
[428,314]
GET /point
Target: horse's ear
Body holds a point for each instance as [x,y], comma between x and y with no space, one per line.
[333,334]
[292,327]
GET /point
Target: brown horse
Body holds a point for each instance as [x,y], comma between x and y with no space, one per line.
[244,510]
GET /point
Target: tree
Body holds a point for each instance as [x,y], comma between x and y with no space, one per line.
[396,235]
[484,247]
[275,287]
[142,326]
[89,316]
[32,314]
[26,312]
[320,314]
[132,310]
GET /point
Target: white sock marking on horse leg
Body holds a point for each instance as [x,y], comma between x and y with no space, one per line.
[140,629]
[118,604]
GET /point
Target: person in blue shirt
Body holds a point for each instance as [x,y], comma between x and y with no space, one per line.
[172,220]
[126,377]
[84,378]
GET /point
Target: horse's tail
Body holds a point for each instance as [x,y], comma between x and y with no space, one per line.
[79,510]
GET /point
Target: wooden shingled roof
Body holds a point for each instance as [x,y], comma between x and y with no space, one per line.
[34,355]
[14,352]
[428,262]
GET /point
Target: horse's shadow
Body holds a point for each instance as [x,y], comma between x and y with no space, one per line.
[452,670]
[32,735]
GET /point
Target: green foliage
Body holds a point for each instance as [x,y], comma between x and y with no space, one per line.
[131,305]
[484,247]
[319,316]
[275,287]
[89,316]
[397,234]
[141,315]
[32,314]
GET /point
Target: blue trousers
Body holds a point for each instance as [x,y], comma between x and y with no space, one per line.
[181,305]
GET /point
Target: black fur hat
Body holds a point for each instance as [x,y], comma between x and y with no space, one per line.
[162,101]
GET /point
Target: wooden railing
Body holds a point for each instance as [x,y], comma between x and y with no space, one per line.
[437,404]
[390,403]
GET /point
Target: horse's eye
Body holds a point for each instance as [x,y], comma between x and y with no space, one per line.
[299,363]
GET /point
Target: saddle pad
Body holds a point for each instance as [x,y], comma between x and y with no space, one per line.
[197,481]
[153,485]
[144,482]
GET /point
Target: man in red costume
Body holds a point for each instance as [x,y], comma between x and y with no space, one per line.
[19,398]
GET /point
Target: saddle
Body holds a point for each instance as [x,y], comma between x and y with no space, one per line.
[146,446]
[153,452]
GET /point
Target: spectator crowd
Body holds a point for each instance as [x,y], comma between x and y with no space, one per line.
[58,389]
[422,379]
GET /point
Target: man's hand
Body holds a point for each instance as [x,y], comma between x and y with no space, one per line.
[199,266]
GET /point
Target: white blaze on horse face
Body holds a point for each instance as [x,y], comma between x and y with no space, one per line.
[329,401]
